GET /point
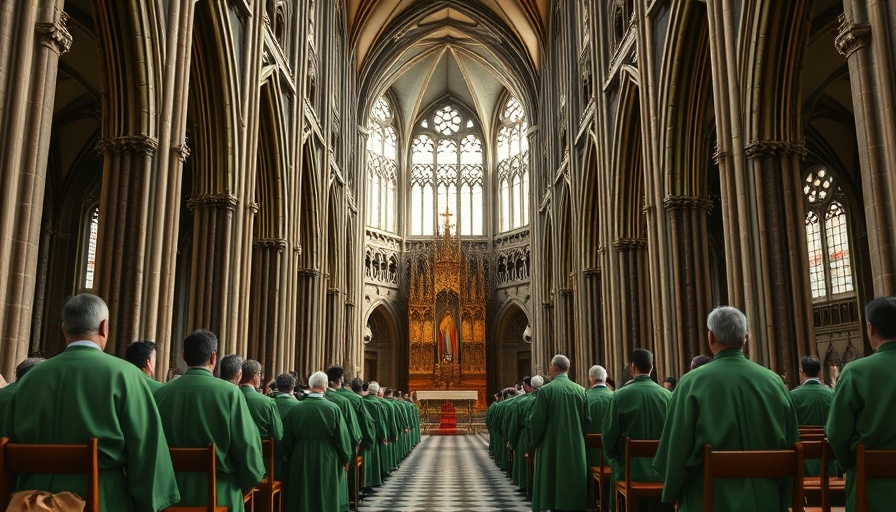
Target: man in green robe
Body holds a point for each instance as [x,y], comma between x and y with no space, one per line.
[812,400]
[198,409]
[84,393]
[142,354]
[230,368]
[732,404]
[513,427]
[637,411]
[599,397]
[335,378]
[863,409]
[263,409]
[7,390]
[557,422]
[365,423]
[319,446]
[373,466]
[285,401]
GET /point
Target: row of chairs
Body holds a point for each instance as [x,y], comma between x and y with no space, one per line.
[82,459]
[746,464]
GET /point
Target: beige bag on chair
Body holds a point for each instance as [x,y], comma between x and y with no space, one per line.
[43,501]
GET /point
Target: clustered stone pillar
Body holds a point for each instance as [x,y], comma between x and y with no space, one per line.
[592,319]
[565,317]
[690,274]
[309,355]
[634,300]
[267,332]
[34,36]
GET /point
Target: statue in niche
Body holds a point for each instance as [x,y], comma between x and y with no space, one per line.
[447,338]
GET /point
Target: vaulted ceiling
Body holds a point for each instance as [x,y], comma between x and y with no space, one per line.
[469,50]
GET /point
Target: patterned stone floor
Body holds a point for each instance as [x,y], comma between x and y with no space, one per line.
[448,473]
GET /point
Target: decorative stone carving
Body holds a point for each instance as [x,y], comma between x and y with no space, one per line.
[134,143]
[775,149]
[851,36]
[55,36]
[688,203]
[630,244]
[182,151]
[225,200]
[276,243]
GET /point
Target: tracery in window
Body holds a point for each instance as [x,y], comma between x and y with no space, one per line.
[92,231]
[382,167]
[513,167]
[446,173]
[827,236]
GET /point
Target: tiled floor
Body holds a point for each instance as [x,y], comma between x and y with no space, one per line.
[448,473]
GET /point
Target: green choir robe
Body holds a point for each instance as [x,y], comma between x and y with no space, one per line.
[637,411]
[354,433]
[863,412]
[518,438]
[83,393]
[284,402]
[197,409]
[5,396]
[813,403]
[732,404]
[599,398]
[264,413]
[557,422]
[366,426]
[373,465]
[318,445]
[152,383]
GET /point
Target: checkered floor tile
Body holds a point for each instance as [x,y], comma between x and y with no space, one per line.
[448,473]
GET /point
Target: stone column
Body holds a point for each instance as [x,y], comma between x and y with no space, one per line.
[690,277]
[865,39]
[309,347]
[591,309]
[33,36]
[267,312]
[333,349]
[566,332]
[634,287]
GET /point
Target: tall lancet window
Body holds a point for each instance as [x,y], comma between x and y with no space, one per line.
[827,236]
[382,168]
[513,167]
[446,174]
[92,232]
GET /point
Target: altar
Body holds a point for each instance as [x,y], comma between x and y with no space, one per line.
[447,412]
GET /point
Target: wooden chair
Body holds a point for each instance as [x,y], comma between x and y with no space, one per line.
[871,464]
[630,490]
[358,468]
[530,472]
[753,464]
[197,460]
[50,459]
[599,474]
[269,490]
[823,485]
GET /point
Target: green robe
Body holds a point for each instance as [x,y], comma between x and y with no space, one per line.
[83,393]
[152,383]
[5,396]
[557,422]
[813,403]
[264,413]
[354,433]
[863,412]
[366,426]
[638,411]
[319,446]
[599,399]
[732,404]
[285,402]
[198,409]
[373,472]
[518,437]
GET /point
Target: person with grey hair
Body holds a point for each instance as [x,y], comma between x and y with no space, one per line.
[263,409]
[716,405]
[599,397]
[231,369]
[198,409]
[558,420]
[317,442]
[84,393]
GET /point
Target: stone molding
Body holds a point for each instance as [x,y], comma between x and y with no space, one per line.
[775,148]
[630,244]
[851,36]
[270,243]
[225,200]
[688,203]
[134,143]
[182,151]
[55,36]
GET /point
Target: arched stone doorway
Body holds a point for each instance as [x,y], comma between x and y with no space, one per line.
[384,359]
[512,348]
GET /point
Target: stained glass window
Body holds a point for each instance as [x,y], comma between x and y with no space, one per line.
[90,260]
[827,236]
[382,167]
[446,174]
[513,167]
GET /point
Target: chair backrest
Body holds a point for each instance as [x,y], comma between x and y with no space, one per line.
[593,441]
[635,448]
[267,451]
[54,459]
[198,460]
[753,464]
[871,464]
[821,450]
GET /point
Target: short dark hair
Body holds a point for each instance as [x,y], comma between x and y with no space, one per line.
[642,359]
[231,365]
[810,366]
[139,352]
[671,380]
[699,361]
[527,380]
[285,383]
[334,373]
[27,365]
[357,384]
[251,368]
[199,346]
[881,314]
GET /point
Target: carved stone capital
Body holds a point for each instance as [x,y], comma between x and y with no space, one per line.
[270,243]
[182,151]
[54,35]
[775,149]
[630,244]
[225,200]
[851,36]
[134,143]
[688,203]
